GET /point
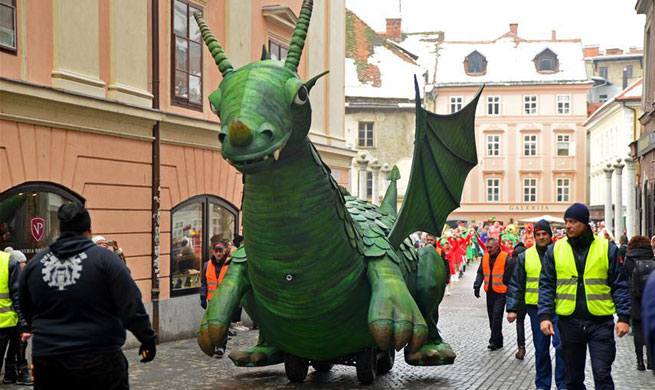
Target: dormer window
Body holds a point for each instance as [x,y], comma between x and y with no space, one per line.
[475,64]
[546,62]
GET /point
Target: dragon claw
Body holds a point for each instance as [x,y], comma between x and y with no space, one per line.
[217,331]
[382,330]
[402,333]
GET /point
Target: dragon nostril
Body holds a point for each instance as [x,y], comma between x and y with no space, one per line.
[269,134]
[221,137]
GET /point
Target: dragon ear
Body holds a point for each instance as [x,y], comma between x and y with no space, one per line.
[310,83]
[265,55]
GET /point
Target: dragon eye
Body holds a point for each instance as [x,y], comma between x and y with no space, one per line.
[213,108]
[301,96]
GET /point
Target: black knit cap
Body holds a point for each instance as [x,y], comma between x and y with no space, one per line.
[73,218]
[579,212]
[543,225]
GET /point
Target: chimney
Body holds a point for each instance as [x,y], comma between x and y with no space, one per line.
[514,28]
[636,50]
[394,31]
[613,52]
[591,51]
[553,35]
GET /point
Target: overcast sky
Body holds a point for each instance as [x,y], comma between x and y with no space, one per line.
[610,23]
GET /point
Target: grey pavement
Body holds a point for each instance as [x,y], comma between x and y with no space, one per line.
[181,364]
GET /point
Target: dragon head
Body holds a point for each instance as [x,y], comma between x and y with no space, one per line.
[264,106]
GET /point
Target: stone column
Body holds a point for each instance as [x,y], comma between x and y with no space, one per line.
[383,183]
[618,200]
[375,169]
[608,198]
[363,165]
[630,202]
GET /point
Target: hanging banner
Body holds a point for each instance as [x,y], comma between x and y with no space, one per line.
[37,227]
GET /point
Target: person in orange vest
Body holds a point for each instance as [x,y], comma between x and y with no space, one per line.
[493,267]
[212,275]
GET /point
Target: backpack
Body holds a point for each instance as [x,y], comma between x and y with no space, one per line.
[640,274]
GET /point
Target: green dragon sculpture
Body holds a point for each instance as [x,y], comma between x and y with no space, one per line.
[329,278]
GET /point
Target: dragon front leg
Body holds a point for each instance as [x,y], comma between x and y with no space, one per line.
[222,306]
[393,316]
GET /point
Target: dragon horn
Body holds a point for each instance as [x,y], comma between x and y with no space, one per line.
[299,35]
[224,65]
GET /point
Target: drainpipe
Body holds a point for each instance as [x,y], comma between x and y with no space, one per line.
[156,215]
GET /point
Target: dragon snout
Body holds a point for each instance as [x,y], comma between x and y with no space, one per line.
[240,133]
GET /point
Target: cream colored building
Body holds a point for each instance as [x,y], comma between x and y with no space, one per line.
[612,70]
[105,102]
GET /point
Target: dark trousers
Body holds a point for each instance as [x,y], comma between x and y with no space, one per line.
[8,337]
[496,312]
[73,372]
[576,336]
[543,366]
[520,326]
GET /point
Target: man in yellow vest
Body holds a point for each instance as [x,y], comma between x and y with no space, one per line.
[583,284]
[491,271]
[523,290]
[10,318]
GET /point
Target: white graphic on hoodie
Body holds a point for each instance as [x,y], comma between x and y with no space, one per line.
[61,273]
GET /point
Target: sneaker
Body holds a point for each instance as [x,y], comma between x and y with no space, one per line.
[220,352]
[10,375]
[24,378]
[241,328]
[231,332]
[641,366]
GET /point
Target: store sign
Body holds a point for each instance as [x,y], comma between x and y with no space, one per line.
[525,207]
[37,227]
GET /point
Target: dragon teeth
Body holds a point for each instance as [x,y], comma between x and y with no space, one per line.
[276,154]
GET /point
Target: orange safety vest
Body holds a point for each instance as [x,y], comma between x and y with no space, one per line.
[212,281]
[497,273]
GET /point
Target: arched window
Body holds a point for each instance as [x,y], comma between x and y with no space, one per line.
[546,61]
[475,64]
[28,215]
[196,225]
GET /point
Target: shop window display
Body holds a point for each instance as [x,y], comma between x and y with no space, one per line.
[196,225]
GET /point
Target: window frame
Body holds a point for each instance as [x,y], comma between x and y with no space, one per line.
[280,45]
[369,184]
[495,142]
[530,145]
[206,200]
[494,188]
[561,186]
[527,105]
[568,142]
[468,62]
[530,190]
[605,70]
[456,102]
[9,49]
[567,102]
[493,104]
[174,99]
[366,132]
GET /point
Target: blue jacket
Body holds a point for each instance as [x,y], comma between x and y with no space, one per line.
[648,312]
[516,287]
[615,278]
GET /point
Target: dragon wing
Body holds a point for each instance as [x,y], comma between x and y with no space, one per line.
[444,154]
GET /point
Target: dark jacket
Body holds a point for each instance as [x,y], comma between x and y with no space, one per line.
[518,249]
[516,286]
[218,264]
[79,298]
[479,279]
[629,264]
[648,312]
[14,281]
[615,278]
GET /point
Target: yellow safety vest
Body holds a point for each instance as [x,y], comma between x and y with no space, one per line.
[532,272]
[8,316]
[597,290]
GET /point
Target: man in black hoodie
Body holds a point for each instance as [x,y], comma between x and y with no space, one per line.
[582,282]
[79,299]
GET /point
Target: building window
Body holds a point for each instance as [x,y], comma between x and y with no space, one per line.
[475,64]
[563,104]
[8,25]
[530,145]
[369,184]
[197,224]
[563,189]
[628,71]
[493,190]
[602,98]
[563,144]
[277,50]
[28,214]
[529,190]
[602,72]
[493,105]
[456,104]
[530,105]
[546,62]
[186,57]
[493,145]
[365,137]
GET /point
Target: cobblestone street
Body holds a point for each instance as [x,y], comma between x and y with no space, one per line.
[181,364]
